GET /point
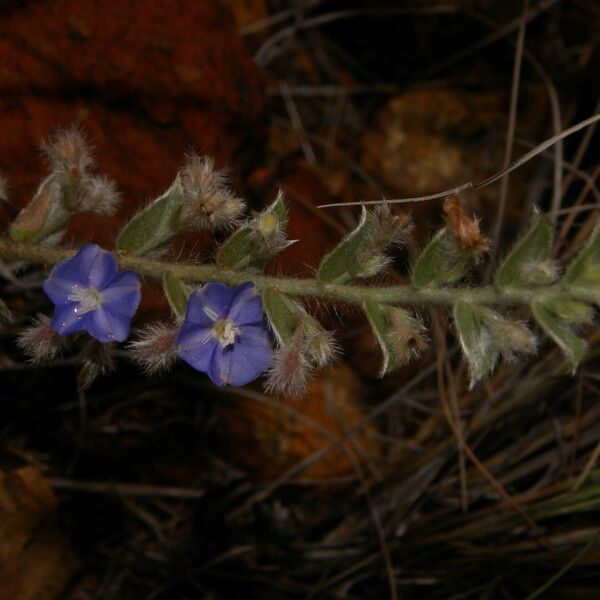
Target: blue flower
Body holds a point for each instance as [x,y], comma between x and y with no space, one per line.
[225,335]
[91,295]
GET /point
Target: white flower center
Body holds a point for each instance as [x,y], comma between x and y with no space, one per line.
[225,332]
[89,299]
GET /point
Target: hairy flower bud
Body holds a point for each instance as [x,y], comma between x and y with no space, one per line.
[290,369]
[463,228]
[40,342]
[511,338]
[99,195]
[208,203]
[155,349]
[320,345]
[541,272]
[390,229]
[69,154]
[406,336]
[97,359]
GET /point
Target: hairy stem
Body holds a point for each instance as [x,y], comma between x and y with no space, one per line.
[396,294]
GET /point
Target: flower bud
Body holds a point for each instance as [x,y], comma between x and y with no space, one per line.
[540,273]
[39,342]
[269,227]
[463,228]
[511,338]
[320,345]
[69,154]
[406,335]
[208,203]
[99,195]
[155,349]
[290,369]
[390,229]
[97,359]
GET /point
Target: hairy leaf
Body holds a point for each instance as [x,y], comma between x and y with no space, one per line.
[534,248]
[442,262]
[283,313]
[585,267]
[155,225]
[176,292]
[475,338]
[381,326]
[560,330]
[346,260]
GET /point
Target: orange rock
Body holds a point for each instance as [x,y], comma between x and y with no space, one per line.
[35,560]
[269,440]
[147,81]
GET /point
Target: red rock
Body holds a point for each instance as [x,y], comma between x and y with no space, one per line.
[147,81]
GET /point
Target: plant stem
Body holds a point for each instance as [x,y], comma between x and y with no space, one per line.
[357,294]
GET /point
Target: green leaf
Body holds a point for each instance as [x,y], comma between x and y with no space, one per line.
[475,338]
[240,250]
[346,260]
[561,331]
[176,292]
[442,262]
[155,225]
[535,247]
[283,313]
[251,245]
[381,325]
[32,218]
[584,269]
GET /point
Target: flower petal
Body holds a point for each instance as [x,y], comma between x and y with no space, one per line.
[106,326]
[196,346]
[91,266]
[245,360]
[246,307]
[122,295]
[68,319]
[102,270]
[208,304]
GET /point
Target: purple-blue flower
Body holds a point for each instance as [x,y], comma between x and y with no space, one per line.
[225,334]
[91,295]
